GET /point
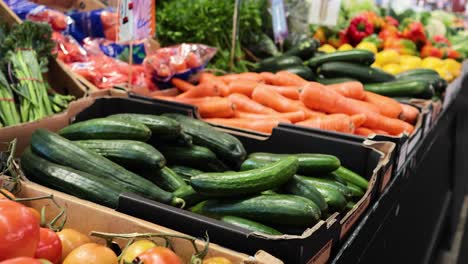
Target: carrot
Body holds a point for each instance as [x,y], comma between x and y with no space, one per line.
[409,113]
[242,86]
[210,79]
[182,85]
[353,90]
[291,116]
[201,90]
[390,125]
[365,105]
[387,106]
[362,131]
[308,112]
[380,132]
[271,98]
[334,122]
[358,120]
[267,77]
[165,92]
[285,78]
[245,104]
[259,125]
[221,107]
[250,76]
[291,92]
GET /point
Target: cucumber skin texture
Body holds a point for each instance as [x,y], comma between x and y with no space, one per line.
[127,153]
[245,182]
[298,187]
[226,147]
[167,179]
[278,209]
[436,81]
[274,64]
[336,200]
[364,74]
[185,172]
[351,177]
[64,152]
[301,70]
[417,72]
[189,195]
[77,183]
[305,49]
[355,190]
[309,163]
[194,156]
[402,88]
[253,163]
[160,126]
[250,225]
[106,128]
[358,56]
[328,184]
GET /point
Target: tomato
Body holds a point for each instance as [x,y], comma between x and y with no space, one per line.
[19,230]
[7,193]
[50,246]
[71,239]
[136,249]
[91,253]
[22,260]
[159,255]
[36,214]
[217,260]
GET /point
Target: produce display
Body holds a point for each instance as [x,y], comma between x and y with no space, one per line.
[24,94]
[209,174]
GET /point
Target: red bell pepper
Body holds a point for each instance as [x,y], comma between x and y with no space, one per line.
[441,41]
[336,40]
[391,21]
[430,51]
[376,21]
[359,28]
[389,31]
[402,46]
[414,31]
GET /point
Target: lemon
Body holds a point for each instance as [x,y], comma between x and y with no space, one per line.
[345,47]
[445,73]
[392,68]
[431,63]
[453,66]
[408,62]
[387,56]
[367,46]
[327,48]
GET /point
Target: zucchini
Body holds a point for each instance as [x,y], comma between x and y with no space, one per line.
[417,72]
[439,84]
[127,153]
[364,74]
[250,225]
[327,184]
[351,177]
[309,164]
[281,209]
[64,152]
[402,88]
[299,187]
[167,179]
[160,126]
[301,70]
[77,183]
[327,81]
[355,191]
[193,156]
[185,172]
[106,128]
[274,64]
[362,57]
[226,184]
[305,49]
[189,195]
[227,147]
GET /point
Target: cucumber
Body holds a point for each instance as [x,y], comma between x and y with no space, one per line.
[336,201]
[167,179]
[301,70]
[127,153]
[328,81]
[64,152]
[274,64]
[299,187]
[281,209]
[189,195]
[106,128]
[269,192]
[439,84]
[250,225]
[402,88]
[305,49]
[364,74]
[417,72]
[351,177]
[245,182]
[357,56]
[77,183]
[185,172]
[309,164]
[327,184]
[253,163]
[160,126]
[194,156]
[350,205]
[227,147]
[355,191]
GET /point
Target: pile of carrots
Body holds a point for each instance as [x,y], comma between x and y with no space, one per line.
[260,101]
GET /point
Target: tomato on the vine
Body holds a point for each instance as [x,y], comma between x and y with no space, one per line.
[10,195]
[158,255]
[71,239]
[19,230]
[91,253]
[49,247]
[135,249]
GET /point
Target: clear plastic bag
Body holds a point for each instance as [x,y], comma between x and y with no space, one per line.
[101,23]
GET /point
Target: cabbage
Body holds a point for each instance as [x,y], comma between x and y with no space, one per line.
[353,7]
[435,27]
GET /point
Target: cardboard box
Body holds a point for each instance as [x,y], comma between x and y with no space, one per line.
[85,217]
[314,244]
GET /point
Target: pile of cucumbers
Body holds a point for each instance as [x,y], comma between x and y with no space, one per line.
[178,160]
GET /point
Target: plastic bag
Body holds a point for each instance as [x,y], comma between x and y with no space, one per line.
[101,23]
[27,10]
[116,50]
[180,61]
[68,49]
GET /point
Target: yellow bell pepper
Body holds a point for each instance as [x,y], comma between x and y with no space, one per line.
[327,48]
[392,68]
[431,63]
[345,47]
[367,46]
[387,57]
[408,62]
[453,66]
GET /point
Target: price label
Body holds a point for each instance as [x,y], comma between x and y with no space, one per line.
[324,12]
[136,19]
